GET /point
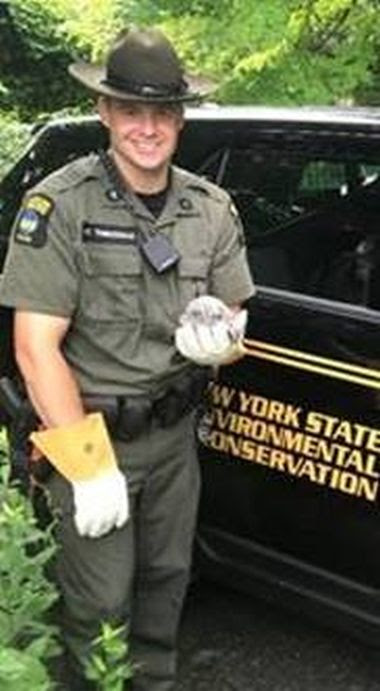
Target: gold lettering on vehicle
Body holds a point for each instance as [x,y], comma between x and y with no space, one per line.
[323,449]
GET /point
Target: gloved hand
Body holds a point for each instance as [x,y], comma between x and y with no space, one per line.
[83,454]
[210,333]
[101,503]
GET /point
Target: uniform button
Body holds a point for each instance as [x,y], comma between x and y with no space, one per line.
[185,204]
[113,195]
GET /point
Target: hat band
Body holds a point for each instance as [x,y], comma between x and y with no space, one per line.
[138,89]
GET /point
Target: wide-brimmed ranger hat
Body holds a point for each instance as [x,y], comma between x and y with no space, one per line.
[142,65]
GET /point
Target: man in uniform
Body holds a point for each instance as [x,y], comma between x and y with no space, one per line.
[106,255]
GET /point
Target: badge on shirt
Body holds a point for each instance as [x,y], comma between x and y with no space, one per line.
[109,234]
[31,226]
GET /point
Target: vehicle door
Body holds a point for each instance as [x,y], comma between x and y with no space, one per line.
[290,442]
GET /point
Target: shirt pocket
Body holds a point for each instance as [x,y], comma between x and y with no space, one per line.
[111,287]
[192,279]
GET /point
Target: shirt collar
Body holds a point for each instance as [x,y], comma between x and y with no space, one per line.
[181,201]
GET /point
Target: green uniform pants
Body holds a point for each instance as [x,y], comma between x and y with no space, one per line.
[136,575]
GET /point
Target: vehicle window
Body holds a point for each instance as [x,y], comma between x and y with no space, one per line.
[370,173]
[311,218]
[322,176]
[310,207]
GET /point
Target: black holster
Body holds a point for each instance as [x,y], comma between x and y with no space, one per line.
[21,421]
[181,397]
[128,416]
[135,416]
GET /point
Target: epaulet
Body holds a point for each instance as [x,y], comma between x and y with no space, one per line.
[202,185]
[68,176]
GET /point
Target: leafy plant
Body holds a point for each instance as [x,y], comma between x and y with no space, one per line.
[267,51]
[21,670]
[14,137]
[27,639]
[34,59]
[3,443]
[110,666]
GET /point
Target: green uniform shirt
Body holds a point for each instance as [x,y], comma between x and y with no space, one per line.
[74,253]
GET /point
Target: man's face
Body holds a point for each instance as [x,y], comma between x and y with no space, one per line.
[143,136]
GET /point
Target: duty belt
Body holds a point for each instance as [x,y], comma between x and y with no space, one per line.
[128,416]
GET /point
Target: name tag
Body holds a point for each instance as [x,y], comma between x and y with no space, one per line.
[115,235]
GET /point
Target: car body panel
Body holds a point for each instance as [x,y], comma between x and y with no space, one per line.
[289,437]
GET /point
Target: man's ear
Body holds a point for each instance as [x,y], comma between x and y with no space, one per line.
[181,118]
[102,106]
[181,122]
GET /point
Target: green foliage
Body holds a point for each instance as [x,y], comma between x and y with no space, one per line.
[215,45]
[34,59]
[14,137]
[22,671]
[278,52]
[257,51]
[89,24]
[27,639]
[86,27]
[3,443]
[109,666]
[177,8]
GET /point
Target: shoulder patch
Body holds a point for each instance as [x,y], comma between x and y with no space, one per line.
[31,224]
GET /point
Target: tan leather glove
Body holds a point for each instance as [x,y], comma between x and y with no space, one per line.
[210,333]
[83,454]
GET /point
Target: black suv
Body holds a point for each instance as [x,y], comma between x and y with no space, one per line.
[289,438]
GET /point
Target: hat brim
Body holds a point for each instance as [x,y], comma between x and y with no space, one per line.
[94,78]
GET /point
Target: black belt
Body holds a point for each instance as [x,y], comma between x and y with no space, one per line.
[128,416]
